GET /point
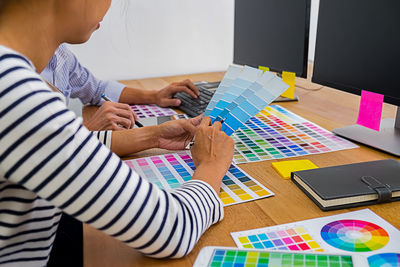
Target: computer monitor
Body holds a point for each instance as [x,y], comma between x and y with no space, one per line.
[272,33]
[358,48]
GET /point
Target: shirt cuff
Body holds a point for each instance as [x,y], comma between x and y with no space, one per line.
[113,90]
[104,137]
[218,213]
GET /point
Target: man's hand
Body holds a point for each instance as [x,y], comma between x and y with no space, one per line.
[164,96]
[176,134]
[112,116]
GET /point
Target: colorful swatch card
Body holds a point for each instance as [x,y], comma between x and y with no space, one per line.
[259,95]
[171,170]
[146,111]
[276,133]
[248,76]
[370,112]
[231,74]
[222,257]
[360,231]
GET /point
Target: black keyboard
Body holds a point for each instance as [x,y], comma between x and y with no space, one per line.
[195,106]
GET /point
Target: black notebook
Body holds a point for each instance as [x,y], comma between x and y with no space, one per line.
[351,185]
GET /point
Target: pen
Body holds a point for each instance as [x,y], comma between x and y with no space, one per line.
[106,98]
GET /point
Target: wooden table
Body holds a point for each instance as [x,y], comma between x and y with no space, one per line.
[326,107]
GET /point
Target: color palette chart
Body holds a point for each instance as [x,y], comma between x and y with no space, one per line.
[354,235]
[360,231]
[146,111]
[291,238]
[171,170]
[277,133]
[384,260]
[241,258]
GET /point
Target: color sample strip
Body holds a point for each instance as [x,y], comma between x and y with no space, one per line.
[146,111]
[241,258]
[277,133]
[370,112]
[247,77]
[293,239]
[171,170]
[231,74]
[259,95]
[354,235]
[384,259]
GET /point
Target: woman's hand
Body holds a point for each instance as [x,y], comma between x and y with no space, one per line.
[212,153]
[164,97]
[112,116]
[176,134]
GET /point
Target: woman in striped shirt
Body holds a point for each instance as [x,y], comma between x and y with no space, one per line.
[50,163]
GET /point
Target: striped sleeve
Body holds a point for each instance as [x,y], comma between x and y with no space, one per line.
[45,149]
[104,137]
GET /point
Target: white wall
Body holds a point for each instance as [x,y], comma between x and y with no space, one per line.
[150,38]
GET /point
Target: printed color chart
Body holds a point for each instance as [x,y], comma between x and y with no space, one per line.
[354,235]
[277,133]
[384,259]
[145,111]
[238,258]
[294,239]
[171,170]
[360,232]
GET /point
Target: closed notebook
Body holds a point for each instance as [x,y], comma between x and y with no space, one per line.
[351,185]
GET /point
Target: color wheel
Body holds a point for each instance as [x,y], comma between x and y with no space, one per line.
[354,235]
[384,260]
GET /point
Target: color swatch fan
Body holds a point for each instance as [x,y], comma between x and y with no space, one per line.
[259,95]
[171,170]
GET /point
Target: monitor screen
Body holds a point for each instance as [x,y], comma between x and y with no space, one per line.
[272,33]
[358,47]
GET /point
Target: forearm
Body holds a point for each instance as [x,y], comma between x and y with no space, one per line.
[127,142]
[132,96]
[211,174]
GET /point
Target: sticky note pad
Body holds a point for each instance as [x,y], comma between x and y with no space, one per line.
[370,112]
[264,69]
[284,168]
[288,78]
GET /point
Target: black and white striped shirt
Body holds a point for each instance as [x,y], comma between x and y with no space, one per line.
[50,163]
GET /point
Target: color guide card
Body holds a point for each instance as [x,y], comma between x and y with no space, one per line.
[171,170]
[259,95]
[145,111]
[360,231]
[277,133]
[246,78]
[230,76]
[241,258]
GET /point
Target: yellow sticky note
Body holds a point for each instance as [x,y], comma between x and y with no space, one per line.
[288,78]
[284,168]
[264,69]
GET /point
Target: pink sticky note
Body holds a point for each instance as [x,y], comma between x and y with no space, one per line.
[370,112]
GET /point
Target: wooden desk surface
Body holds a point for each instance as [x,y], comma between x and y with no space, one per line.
[328,108]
